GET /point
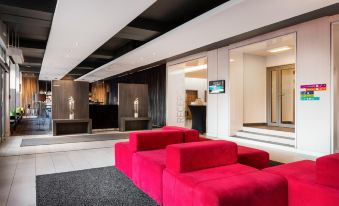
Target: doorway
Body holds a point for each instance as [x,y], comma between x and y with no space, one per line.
[281,96]
[262,90]
[186,94]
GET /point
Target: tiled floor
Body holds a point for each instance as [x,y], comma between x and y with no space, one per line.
[20,165]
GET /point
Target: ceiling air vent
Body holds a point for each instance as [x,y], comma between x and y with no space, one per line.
[15,54]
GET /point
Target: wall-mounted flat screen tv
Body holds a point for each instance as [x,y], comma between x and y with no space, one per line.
[216,87]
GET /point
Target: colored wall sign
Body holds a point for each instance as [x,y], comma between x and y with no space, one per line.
[307,92]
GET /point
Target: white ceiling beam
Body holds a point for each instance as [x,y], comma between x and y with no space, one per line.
[79,27]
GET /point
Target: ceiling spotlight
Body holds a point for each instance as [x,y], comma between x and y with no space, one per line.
[279,49]
[232,60]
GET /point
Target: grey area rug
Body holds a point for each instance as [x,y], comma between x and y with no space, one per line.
[72,139]
[92,187]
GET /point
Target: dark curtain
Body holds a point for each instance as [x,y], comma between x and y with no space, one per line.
[155,78]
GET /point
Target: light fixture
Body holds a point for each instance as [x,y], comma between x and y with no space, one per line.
[279,49]
[232,60]
[195,68]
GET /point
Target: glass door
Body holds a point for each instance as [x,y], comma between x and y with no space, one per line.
[281,96]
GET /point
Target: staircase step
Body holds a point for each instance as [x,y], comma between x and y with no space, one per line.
[269,132]
[274,139]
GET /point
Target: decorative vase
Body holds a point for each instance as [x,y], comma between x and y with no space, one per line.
[71,107]
[136,108]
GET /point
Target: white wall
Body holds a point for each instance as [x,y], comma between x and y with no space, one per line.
[254,89]
[236,82]
[314,67]
[218,104]
[196,84]
[175,96]
[335,39]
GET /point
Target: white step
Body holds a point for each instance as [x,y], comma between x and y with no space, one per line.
[285,141]
[269,132]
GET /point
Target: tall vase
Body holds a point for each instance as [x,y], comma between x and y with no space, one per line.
[136,108]
[71,107]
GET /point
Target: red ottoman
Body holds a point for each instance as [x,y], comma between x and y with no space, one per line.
[123,158]
[253,157]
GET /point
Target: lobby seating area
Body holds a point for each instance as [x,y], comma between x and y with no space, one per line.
[168,163]
[175,166]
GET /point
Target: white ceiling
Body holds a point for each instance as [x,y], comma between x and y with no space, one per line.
[229,19]
[80,27]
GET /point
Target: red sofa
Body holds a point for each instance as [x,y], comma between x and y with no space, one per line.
[246,155]
[311,183]
[213,177]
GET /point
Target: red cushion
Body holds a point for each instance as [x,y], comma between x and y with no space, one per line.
[123,158]
[301,170]
[204,139]
[147,172]
[178,188]
[257,188]
[213,186]
[327,168]
[200,155]
[151,140]
[253,157]
[303,188]
[190,135]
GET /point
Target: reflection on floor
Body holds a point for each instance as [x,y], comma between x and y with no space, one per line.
[33,126]
[282,129]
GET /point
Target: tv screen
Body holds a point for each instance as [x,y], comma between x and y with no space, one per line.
[216,87]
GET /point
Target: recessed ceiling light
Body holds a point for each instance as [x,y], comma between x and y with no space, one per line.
[279,49]
[232,60]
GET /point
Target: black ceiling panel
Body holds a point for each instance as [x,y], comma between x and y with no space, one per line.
[30,21]
[159,18]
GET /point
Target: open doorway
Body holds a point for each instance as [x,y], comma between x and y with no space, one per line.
[187,94]
[262,88]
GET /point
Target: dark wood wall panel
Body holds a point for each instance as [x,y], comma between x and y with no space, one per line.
[127,94]
[61,91]
[155,78]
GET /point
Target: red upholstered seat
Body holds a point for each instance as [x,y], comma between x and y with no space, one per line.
[142,141]
[190,135]
[303,187]
[255,189]
[206,173]
[253,157]
[328,170]
[178,187]
[148,168]
[123,158]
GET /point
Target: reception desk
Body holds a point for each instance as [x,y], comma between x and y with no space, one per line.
[198,117]
[103,116]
